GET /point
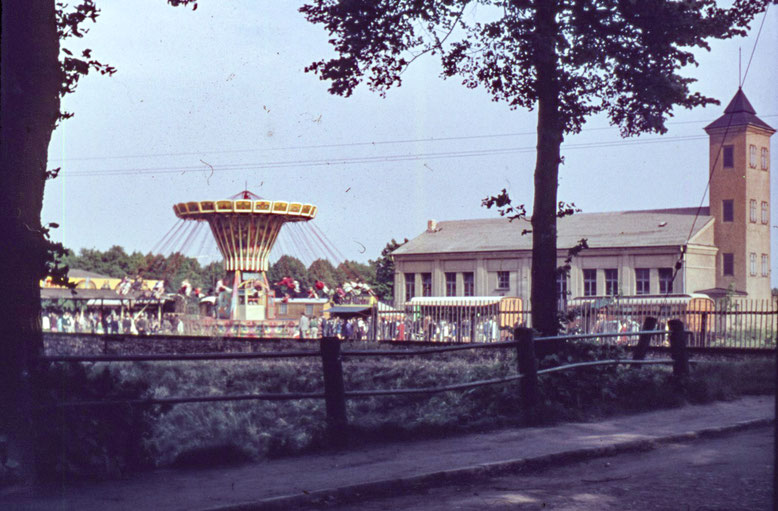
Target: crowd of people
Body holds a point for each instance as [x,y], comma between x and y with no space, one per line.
[399,328]
[408,327]
[113,322]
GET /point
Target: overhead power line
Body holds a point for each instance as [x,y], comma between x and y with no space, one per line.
[346,144]
[390,158]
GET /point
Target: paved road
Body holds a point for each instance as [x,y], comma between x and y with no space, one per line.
[730,473]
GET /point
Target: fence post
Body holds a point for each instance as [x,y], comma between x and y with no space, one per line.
[645,339]
[528,367]
[678,348]
[334,390]
[704,329]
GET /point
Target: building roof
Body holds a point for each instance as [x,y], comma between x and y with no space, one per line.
[648,228]
[55,293]
[739,112]
[75,273]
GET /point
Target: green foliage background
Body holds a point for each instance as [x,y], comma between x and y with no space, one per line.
[175,268]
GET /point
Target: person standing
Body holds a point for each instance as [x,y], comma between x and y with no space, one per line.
[304,326]
[348,330]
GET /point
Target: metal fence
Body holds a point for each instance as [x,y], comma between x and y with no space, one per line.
[733,323]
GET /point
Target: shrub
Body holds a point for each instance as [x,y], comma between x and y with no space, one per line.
[96,441]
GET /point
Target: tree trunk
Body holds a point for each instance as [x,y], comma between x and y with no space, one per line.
[544,210]
[30,105]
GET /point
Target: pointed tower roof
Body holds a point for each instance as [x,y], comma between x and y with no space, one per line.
[739,112]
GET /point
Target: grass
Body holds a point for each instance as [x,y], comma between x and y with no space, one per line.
[108,441]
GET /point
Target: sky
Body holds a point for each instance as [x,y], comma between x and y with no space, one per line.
[206,103]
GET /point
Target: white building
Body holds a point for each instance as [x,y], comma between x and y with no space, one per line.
[722,248]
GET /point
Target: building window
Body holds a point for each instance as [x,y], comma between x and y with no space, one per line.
[469,281]
[729,263]
[665,280]
[451,284]
[752,211]
[752,156]
[764,158]
[426,284]
[752,263]
[503,280]
[283,308]
[729,156]
[642,281]
[590,282]
[728,210]
[765,265]
[611,282]
[309,309]
[765,213]
[561,289]
[410,286]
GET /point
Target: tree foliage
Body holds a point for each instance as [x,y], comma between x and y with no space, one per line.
[384,271]
[323,270]
[569,59]
[173,269]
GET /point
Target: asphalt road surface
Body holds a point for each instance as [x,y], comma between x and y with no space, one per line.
[731,473]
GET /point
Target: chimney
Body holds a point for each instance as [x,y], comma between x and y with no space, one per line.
[432,225]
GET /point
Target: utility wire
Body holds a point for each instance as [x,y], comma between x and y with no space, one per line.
[756,41]
[349,144]
[370,159]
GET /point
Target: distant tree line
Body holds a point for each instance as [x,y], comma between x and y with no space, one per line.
[176,267]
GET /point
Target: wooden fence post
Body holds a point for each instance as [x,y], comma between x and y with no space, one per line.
[334,390]
[528,367]
[678,348]
[645,339]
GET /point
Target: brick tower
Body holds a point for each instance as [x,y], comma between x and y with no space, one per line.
[740,198]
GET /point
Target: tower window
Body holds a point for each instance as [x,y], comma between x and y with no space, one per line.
[752,156]
[752,263]
[503,280]
[752,211]
[765,215]
[765,265]
[410,286]
[764,158]
[590,282]
[611,282]
[728,210]
[642,281]
[451,284]
[469,281]
[729,156]
[729,264]
[426,284]
[665,280]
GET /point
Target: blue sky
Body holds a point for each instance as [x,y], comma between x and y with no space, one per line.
[224,86]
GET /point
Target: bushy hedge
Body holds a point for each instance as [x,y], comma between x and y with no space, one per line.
[104,441]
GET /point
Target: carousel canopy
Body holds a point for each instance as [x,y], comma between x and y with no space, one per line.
[245,229]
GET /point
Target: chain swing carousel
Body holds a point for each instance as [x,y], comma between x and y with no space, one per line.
[245,230]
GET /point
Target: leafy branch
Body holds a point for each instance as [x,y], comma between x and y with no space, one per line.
[504,205]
